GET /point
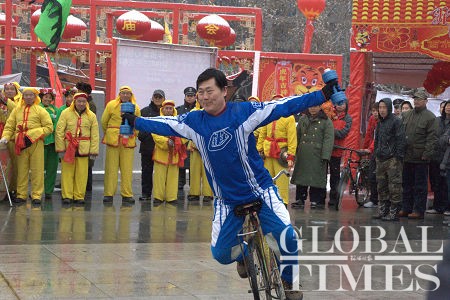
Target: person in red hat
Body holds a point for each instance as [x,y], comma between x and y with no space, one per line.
[278,136]
[169,155]
[77,141]
[28,125]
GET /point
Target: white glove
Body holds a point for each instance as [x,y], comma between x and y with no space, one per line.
[61,154]
[3,141]
[92,157]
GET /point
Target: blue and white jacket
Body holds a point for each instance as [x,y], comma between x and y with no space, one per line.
[226,142]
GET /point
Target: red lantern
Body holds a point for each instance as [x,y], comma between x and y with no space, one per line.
[156,32]
[213,28]
[311,8]
[74,27]
[228,41]
[35,17]
[133,24]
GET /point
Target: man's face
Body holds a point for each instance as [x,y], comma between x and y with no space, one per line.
[125,96]
[441,107]
[167,110]
[158,99]
[28,97]
[211,97]
[10,91]
[447,109]
[383,110]
[80,103]
[397,110]
[189,98]
[47,99]
[420,103]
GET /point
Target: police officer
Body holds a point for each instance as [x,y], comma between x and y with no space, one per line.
[189,103]
[397,106]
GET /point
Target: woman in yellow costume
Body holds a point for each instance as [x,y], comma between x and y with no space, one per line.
[77,141]
[119,148]
[12,91]
[28,124]
[278,135]
[169,155]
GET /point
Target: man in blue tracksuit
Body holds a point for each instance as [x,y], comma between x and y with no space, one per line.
[223,134]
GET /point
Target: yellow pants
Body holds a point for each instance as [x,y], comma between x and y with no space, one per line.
[12,184]
[273,166]
[197,177]
[118,158]
[31,159]
[74,179]
[165,182]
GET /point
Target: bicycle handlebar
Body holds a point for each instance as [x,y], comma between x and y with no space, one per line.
[283,171]
[359,152]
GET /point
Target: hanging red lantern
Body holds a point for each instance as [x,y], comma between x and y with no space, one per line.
[156,32]
[35,17]
[230,40]
[311,8]
[213,28]
[133,24]
[3,24]
[74,27]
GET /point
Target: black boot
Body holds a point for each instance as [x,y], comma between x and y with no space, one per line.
[383,209]
[393,213]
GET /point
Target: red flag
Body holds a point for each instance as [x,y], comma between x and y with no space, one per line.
[54,82]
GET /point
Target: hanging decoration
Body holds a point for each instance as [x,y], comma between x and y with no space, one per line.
[133,24]
[155,33]
[213,28]
[230,40]
[74,28]
[311,9]
[438,78]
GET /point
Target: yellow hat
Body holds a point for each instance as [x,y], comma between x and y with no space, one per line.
[35,91]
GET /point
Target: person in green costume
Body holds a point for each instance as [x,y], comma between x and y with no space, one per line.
[50,156]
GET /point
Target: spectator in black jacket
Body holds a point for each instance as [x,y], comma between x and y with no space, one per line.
[190,97]
[148,145]
[389,152]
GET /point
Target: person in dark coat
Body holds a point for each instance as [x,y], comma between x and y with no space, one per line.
[315,138]
[420,129]
[190,97]
[148,145]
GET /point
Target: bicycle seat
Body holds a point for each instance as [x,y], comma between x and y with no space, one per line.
[248,208]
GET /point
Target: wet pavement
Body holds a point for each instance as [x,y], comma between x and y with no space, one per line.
[132,251]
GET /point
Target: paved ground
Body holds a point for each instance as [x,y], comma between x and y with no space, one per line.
[139,251]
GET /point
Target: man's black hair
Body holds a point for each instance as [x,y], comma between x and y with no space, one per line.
[219,77]
[84,87]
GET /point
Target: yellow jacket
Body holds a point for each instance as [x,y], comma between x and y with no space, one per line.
[111,121]
[33,120]
[83,127]
[5,112]
[276,135]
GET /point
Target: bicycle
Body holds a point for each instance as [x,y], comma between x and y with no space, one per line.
[259,259]
[357,172]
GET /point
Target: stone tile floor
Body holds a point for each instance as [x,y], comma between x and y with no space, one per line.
[142,252]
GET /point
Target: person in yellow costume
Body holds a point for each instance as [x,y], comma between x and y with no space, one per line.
[198,183]
[169,155]
[28,124]
[6,107]
[12,91]
[273,138]
[77,141]
[119,148]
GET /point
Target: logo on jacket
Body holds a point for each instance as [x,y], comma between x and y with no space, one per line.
[219,140]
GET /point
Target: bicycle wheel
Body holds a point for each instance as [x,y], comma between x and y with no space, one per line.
[257,271]
[362,189]
[343,181]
